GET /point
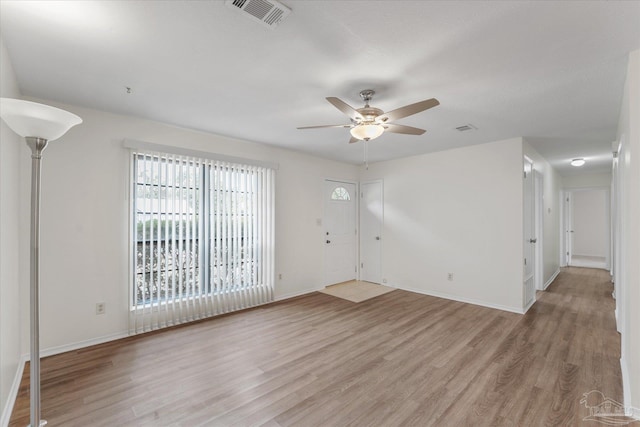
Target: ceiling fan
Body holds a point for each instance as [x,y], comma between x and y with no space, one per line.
[368,123]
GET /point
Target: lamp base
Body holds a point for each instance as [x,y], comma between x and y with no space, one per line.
[42,423]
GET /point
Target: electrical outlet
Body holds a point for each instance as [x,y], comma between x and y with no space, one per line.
[101,308]
[450,277]
[280,276]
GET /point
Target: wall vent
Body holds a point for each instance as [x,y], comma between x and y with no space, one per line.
[467,127]
[268,12]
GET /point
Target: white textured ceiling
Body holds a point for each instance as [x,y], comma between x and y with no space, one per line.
[552,72]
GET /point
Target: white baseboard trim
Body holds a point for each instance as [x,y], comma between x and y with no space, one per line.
[533,301]
[297,294]
[461,299]
[589,264]
[13,393]
[79,344]
[551,279]
[626,390]
[112,337]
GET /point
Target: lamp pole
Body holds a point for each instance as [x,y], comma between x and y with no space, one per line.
[37,146]
[26,119]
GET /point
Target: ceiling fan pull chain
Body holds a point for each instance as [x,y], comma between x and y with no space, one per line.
[366,152]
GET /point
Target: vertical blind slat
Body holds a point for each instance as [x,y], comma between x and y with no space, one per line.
[174,210]
[181,236]
[225,240]
[237,285]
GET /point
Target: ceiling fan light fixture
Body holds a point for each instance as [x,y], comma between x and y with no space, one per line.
[367,131]
[578,162]
[369,122]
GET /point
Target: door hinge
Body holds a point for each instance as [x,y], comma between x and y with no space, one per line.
[362,195]
[356,269]
[525,261]
[567,253]
[362,265]
[525,174]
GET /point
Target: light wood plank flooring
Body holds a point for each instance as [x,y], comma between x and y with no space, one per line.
[398,359]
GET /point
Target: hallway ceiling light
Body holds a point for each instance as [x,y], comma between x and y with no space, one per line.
[577,162]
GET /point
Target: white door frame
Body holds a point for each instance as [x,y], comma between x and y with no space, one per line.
[538,191]
[381,182]
[620,254]
[356,222]
[562,262]
[567,226]
[530,280]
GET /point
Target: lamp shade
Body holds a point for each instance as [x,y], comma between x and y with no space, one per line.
[367,131]
[36,120]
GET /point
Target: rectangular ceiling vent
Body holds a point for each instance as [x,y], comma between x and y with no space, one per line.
[268,12]
[464,128]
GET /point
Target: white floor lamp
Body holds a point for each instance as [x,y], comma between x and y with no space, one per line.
[38,124]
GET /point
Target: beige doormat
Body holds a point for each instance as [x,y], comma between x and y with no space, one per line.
[356,291]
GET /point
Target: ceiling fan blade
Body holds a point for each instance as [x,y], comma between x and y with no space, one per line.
[324,126]
[407,110]
[352,140]
[345,108]
[408,130]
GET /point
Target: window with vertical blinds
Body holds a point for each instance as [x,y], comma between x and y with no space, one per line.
[202,238]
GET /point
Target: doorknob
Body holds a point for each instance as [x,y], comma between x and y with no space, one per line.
[328,241]
[533,240]
[377,237]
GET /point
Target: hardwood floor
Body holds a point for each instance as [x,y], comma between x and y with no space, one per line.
[398,359]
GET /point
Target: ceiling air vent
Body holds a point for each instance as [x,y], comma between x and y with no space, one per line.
[464,128]
[268,12]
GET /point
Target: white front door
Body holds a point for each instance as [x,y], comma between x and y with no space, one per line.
[529,237]
[371,209]
[340,232]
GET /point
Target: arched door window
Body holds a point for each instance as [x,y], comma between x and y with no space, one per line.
[340,194]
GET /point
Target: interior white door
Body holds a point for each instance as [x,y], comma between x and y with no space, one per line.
[529,237]
[371,215]
[539,229]
[568,231]
[340,232]
[589,228]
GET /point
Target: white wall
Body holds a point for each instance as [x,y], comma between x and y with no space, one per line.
[628,275]
[85,219]
[590,223]
[552,183]
[10,151]
[457,211]
[587,181]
